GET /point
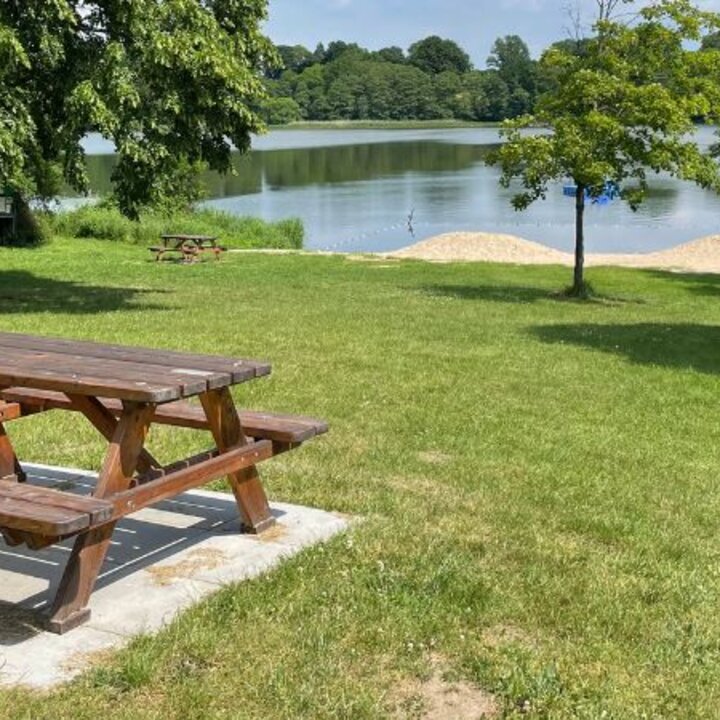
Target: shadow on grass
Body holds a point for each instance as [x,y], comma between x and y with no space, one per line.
[518,294]
[23,292]
[706,284]
[686,346]
[490,293]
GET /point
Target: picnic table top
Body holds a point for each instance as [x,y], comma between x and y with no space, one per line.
[189,238]
[116,371]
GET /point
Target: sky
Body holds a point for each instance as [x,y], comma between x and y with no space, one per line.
[474,24]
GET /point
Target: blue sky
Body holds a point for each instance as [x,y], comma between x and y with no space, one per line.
[473,23]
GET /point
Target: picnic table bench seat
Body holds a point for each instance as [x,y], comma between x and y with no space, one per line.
[281,429]
[35,509]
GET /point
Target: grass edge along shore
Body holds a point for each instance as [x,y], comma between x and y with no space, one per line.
[102,222]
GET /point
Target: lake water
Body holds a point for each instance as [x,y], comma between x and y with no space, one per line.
[355,190]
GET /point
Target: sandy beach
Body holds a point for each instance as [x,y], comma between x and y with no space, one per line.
[699,256]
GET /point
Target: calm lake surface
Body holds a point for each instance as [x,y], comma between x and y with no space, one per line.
[355,189]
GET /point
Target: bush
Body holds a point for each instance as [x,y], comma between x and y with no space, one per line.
[105,222]
[31,228]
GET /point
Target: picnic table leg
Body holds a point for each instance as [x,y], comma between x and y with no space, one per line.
[224,422]
[106,424]
[10,471]
[70,607]
[9,464]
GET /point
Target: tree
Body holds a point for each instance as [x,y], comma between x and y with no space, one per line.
[310,93]
[280,111]
[292,57]
[449,93]
[495,95]
[336,49]
[392,54]
[511,58]
[173,84]
[434,55]
[624,108]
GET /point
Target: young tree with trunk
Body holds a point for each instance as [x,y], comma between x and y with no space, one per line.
[620,110]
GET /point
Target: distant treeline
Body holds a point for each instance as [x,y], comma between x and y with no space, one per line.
[434,79]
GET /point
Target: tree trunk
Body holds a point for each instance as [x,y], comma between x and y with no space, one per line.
[578,287]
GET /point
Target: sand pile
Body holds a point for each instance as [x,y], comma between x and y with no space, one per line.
[701,255]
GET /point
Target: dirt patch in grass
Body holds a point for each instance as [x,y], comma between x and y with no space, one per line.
[437,698]
[501,635]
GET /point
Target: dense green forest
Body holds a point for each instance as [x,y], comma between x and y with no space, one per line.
[434,79]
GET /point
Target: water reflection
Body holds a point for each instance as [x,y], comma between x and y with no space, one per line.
[355,190]
[278,169]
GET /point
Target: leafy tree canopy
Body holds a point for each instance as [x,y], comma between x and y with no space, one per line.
[435,55]
[511,58]
[292,57]
[171,83]
[392,54]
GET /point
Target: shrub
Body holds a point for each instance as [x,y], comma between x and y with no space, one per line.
[31,228]
[105,222]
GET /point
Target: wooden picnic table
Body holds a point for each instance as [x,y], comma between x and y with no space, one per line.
[122,391]
[190,247]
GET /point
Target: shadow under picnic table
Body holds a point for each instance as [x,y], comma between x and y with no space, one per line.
[29,579]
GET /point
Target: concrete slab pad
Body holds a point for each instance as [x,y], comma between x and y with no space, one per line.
[162,560]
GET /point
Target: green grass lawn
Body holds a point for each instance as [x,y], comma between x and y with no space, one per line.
[538,481]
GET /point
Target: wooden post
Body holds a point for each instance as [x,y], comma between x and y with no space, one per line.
[224,422]
[70,607]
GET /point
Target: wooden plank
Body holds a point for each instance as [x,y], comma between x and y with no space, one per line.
[96,509]
[239,368]
[271,426]
[189,381]
[194,475]
[14,373]
[32,517]
[191,238]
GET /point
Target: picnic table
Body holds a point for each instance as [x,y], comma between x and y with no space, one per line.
[189,247]
[122,391]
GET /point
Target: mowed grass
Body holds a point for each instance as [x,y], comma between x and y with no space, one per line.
[537,481]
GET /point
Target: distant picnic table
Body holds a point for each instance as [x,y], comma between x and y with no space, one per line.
[189,247]
[122,391]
